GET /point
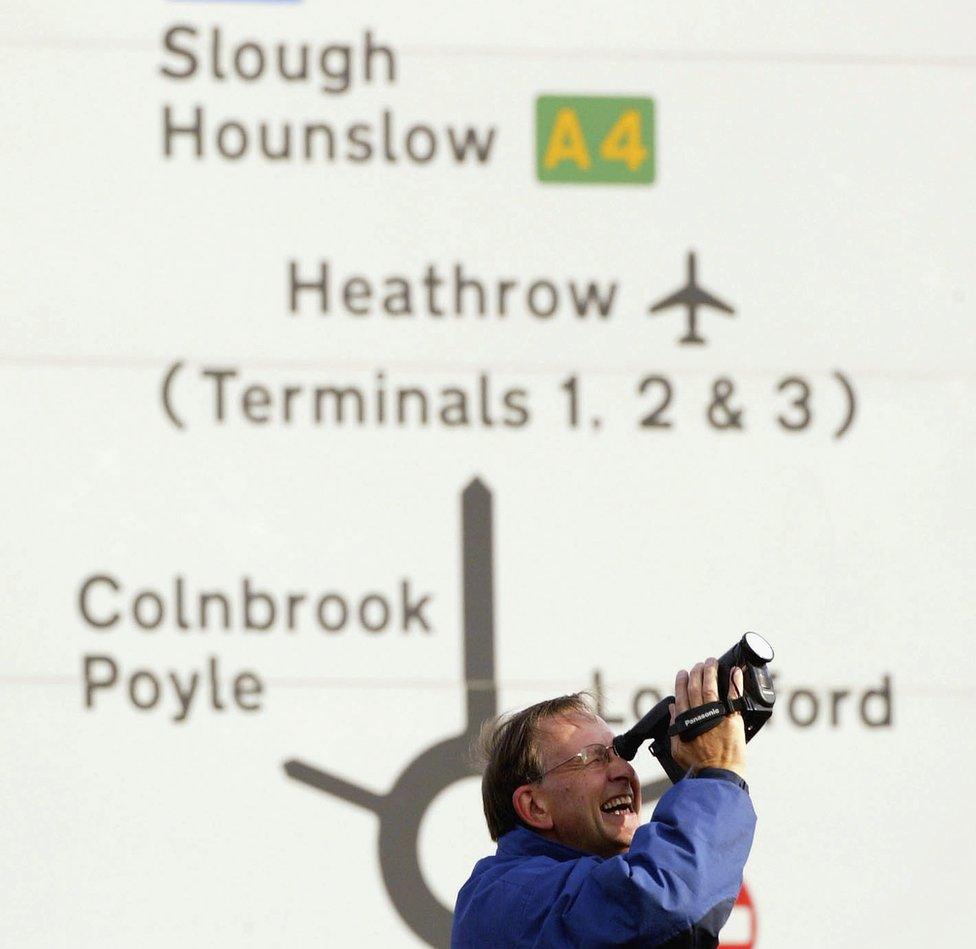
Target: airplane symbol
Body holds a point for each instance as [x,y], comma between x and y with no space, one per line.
[691,296]
[401,810]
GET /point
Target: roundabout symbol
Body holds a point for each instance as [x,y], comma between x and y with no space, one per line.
[401,810]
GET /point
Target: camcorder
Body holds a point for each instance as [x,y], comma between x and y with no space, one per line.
[751,654]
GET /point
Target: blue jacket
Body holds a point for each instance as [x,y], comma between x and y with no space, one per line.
[676,885]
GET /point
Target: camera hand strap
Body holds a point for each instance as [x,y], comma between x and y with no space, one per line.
[700,719]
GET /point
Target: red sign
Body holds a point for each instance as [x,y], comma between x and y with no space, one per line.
[741,927]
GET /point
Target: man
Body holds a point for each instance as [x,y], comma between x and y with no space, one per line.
[574,866]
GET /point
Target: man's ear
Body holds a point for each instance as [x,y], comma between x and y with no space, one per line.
[531,807]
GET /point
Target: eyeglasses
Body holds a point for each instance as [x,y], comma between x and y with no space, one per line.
[583,758]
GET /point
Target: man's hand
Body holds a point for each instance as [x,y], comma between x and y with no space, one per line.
[723,746]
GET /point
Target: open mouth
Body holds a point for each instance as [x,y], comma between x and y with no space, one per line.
[622,804]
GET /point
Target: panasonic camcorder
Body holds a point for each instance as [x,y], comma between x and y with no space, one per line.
[751,654]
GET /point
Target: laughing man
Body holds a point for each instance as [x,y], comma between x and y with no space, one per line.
[574,865]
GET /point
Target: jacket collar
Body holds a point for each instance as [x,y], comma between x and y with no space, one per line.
[523,842]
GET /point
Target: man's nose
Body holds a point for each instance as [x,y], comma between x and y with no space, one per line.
[620,768]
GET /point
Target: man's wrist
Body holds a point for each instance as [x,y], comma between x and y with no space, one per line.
[725,763]
[720,774]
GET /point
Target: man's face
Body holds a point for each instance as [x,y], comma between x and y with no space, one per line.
[577,798]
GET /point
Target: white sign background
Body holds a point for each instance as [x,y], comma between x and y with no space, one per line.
[816,158]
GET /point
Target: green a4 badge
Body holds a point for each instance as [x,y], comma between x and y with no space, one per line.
[594,139]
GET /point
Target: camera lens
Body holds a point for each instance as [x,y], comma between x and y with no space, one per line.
[761,650]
